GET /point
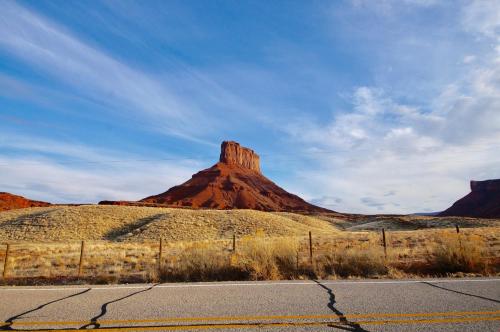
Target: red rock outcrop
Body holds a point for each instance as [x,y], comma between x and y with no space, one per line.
[10,202]
[233,154]
[234,182]
[482,202]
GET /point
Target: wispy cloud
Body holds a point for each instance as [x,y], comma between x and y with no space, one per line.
[85,174]
[385,105]
[421,154]
[482,17]
[388,6]
[93,73]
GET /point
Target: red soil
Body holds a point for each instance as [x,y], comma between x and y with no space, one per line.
[10,202]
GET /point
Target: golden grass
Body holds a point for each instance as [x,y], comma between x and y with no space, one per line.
[122,244]
[142,224]
[257,257]
[353,262]
[459,254]
[138,224]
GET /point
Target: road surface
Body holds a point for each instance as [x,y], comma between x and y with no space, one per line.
[369,305]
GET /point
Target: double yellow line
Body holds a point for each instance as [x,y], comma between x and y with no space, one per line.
[192,323]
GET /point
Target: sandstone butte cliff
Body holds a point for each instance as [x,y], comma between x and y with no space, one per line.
[10,202]
[234,182]
[482,202]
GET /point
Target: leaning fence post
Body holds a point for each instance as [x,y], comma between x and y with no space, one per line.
[160,256]
[80,264]
[4,274]
[384,242]
[234,242]
[458,229]
[310,248]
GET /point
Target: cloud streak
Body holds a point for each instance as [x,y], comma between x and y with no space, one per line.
[88,175]
[91,72]
[388,106]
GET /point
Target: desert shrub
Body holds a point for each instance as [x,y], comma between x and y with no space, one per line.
[268,259]
[203,263]
[454,254]
[352,262]
[285,255]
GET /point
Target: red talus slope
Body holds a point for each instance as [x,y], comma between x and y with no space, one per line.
[10,202]
[234,182]
[482,202]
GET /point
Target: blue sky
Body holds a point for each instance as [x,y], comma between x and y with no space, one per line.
[359,106]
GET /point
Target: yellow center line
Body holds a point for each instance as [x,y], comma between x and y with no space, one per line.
[281,317]
[260,325]
[428,321]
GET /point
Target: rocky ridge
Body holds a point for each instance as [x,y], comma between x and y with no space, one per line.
[482,202]
[233,153]
[10,201]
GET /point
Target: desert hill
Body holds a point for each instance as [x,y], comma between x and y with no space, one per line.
[143,224]
[482,202]
[133,223]
[235,182]
[9,202]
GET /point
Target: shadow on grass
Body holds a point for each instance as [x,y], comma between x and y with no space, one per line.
[130,227]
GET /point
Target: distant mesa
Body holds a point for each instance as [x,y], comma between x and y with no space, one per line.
[482,202]
[235,182]
[9,202]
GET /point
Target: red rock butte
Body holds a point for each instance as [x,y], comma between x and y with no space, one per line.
[235,182]
[482,202]
[232,153]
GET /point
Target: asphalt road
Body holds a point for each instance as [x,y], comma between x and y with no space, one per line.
[370,305]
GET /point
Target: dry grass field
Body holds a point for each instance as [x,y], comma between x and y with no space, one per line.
[122,244]
[136,224]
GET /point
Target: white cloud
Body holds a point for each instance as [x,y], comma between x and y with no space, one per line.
[85,174]
[61,183]
[123,90]
[469,59]
[425,157]
[482,17]
[424,152]
[386,7]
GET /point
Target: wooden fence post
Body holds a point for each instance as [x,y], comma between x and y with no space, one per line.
[384,242]
[80,264]
[160,254]
[234,242]
[297,260]
[459,239]
[4,274]
[310,248]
